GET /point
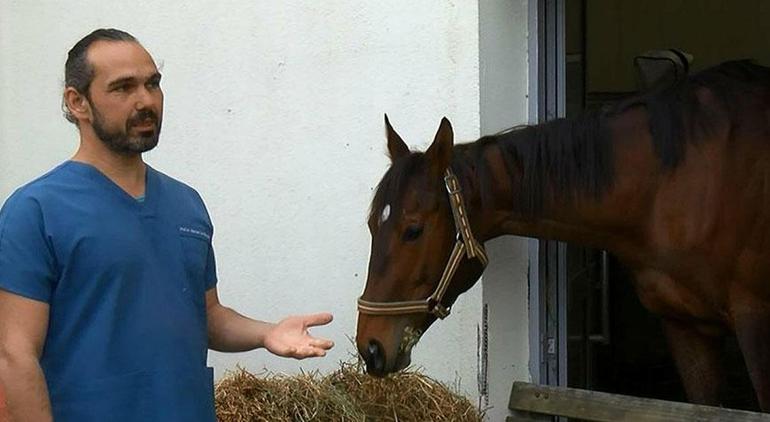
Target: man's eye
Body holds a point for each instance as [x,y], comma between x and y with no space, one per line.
[412,233]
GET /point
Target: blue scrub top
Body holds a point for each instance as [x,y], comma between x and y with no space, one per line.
[125,281]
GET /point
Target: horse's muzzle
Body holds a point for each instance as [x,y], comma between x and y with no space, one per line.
[374,357]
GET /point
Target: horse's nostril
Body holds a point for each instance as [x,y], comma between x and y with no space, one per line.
[373,349]
[374,358]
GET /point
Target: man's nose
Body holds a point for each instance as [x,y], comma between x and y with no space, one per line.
[145,98]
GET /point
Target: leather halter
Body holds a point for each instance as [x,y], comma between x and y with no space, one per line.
[465,245]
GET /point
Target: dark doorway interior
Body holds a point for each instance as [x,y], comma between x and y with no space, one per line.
[613,343]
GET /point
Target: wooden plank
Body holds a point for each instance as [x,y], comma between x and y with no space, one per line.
[519,416]
[605,407]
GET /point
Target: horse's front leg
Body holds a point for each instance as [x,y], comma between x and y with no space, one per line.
[752,329]
[698,358]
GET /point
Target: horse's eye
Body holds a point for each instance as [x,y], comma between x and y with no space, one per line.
[412,233]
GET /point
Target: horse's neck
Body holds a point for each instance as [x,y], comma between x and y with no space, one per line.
[605,220]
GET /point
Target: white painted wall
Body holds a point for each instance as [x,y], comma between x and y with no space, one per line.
[274,113]
[503,29]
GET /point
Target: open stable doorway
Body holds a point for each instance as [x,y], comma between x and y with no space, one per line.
[594,332]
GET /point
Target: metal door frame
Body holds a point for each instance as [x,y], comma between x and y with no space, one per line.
[547,259]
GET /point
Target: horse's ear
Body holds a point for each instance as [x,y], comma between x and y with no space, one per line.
[396,146]
[439,153]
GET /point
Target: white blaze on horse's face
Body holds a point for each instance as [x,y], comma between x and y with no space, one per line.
[385,214]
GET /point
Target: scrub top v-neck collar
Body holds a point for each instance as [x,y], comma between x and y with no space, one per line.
[145,207]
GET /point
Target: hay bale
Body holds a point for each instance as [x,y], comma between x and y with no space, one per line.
[347,394]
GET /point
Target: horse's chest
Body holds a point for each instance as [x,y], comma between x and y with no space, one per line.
[667,297]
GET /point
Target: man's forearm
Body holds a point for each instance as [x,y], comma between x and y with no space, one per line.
[25,389]
[230,331]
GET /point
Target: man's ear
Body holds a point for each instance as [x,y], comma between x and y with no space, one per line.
[77,104]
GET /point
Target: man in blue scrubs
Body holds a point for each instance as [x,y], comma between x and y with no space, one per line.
[108,298]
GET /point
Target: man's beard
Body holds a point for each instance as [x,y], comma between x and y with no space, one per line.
[119,141]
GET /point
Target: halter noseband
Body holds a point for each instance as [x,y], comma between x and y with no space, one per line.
[465,244]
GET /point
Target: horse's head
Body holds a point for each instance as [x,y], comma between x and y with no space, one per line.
[423,252]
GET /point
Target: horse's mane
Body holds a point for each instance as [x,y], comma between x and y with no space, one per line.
[574,156]
[677,116]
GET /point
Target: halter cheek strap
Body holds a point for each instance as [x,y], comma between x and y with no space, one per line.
[465,246]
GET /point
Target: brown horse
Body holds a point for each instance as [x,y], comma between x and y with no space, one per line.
[675,183]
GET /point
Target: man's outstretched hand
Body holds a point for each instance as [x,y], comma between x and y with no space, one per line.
[290,337]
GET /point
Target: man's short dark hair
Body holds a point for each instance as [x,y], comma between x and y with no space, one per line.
[78,72]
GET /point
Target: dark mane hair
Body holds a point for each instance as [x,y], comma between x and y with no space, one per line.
[574,157]
[677,116]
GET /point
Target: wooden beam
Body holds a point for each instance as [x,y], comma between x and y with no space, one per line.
[519,416]
[601,407]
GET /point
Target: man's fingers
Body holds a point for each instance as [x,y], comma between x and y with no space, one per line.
[315,352]
[322,318]
[309,352]
[322,343]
